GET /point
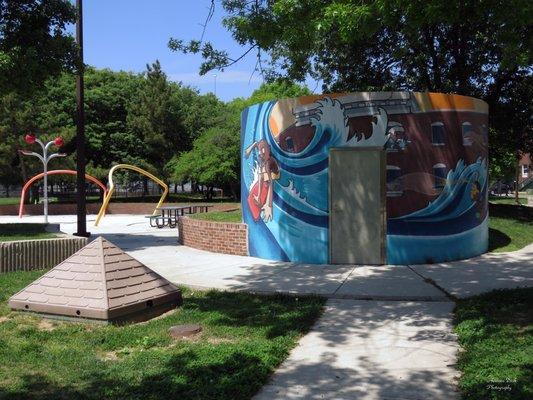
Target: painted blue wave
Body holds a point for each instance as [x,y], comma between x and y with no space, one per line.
[454,199]
[300,226]
[453,211]
[407,249]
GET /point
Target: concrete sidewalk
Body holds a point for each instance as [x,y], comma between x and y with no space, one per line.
[158,249]
[368,350]
[482,274]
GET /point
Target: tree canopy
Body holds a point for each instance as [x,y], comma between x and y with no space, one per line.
[214,159]
[33,42]
[478,48]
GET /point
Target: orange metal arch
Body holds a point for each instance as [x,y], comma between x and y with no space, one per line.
[55,172]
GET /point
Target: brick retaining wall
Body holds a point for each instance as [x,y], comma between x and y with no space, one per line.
[93,208]
[219,237]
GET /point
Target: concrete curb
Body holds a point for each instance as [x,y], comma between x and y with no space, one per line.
[27,255]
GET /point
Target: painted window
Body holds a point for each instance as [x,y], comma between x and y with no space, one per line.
[438,134]
[525,171]
[440,171]
[394,181]
[398,139]
[468,132]
[289,143]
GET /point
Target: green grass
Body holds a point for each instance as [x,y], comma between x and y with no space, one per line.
[244,338]
[9,232]
[8,200]
[507,200]
[220,216]
[510,227]
[496,333]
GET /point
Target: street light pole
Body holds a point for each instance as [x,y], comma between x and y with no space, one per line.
[215,75]
[80,131]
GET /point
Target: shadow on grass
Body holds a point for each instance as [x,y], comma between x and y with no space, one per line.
[494,330]
[184,376]
[227,363]
[512,211]
[279,315]
[497,239]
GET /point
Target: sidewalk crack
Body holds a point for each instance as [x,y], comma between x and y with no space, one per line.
[344,281]
[434,284]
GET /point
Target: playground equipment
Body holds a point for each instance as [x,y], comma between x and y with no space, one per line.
[107,197]
[55,172]
[45,157]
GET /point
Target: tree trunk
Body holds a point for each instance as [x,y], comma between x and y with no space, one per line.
[517,178]
[145,187]
[24,176]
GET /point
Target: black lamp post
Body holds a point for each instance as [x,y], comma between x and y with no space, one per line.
[80,130]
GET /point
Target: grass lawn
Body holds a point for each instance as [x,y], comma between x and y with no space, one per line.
[8,200]
[244,338]
[220,216]
[496,333]
[510,227]
[507,200]
[9,232]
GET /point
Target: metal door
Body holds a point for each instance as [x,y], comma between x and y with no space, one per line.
[357,220]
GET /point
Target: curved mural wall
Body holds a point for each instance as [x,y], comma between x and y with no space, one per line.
[436,147]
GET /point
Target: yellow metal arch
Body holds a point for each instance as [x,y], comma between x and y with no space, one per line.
[107,198]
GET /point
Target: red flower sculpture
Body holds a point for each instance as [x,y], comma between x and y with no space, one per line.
[30,138]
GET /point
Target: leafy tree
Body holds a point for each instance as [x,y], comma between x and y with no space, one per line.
[33,42]
[477,48]
[154,121]
[214,159]
[107,97]
[16,117]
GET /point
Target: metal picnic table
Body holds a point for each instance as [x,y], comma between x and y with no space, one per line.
[169,214]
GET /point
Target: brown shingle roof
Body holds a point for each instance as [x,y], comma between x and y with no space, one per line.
[100,281]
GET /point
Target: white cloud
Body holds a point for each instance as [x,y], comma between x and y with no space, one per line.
[193,78]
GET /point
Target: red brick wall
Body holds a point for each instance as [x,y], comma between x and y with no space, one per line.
[93,208]
[219,237]
[526,159]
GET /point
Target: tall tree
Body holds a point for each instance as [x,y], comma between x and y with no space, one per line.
[479,48]
[33,42]
[154,120]
[214,160]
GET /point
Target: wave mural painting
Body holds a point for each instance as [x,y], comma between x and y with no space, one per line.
[436,148]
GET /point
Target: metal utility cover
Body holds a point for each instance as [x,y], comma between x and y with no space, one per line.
[100,281]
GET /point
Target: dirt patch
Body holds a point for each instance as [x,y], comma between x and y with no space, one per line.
[108,356]
[3,319]
[164,315]
[46,325]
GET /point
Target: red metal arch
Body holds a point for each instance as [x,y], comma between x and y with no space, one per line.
[55,172]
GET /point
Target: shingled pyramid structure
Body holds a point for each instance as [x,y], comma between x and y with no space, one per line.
[99,282]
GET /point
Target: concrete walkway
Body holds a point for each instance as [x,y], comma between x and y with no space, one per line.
[158,249]
[372,350]
[368,344]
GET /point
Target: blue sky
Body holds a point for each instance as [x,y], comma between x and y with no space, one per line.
[126,35]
